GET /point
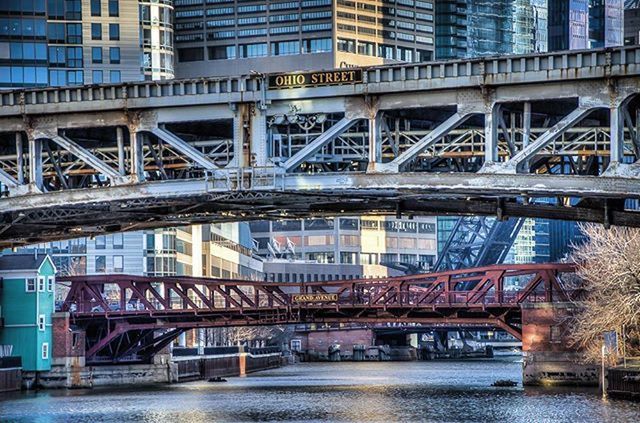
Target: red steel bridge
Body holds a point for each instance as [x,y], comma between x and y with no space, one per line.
[133,317]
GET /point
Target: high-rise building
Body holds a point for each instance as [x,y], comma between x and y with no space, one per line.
[73,42]
[632,23]
[222,37]
[582,24]
[474,28]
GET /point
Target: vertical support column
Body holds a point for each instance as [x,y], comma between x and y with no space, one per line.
[526,124]
[20,157]
[137,159]
[238,135]
[491,135]
[375,140]
[616,121]
[35,164]
[258,136]
[121,152]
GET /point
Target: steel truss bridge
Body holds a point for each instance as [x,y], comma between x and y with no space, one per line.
[470,137]
[134,317]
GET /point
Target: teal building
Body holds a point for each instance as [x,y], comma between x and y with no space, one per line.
[27,292]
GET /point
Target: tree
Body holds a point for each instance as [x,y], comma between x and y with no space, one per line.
[609,268]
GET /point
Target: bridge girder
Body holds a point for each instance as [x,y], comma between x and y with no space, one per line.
[473,132]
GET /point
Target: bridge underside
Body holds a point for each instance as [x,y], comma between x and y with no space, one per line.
[554,135]
[139,339]
[117,213]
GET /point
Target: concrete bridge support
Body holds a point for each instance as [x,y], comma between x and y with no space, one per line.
[549,357]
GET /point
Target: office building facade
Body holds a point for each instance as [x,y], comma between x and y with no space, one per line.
[73,42]
[223,37]
[408,244]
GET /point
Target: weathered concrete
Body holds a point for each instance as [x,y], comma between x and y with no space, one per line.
[549,358]
[161,371]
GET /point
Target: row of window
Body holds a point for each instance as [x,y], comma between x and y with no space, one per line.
[117,264]
[30,76]
[114,31]
[393,35]
[55,56]
[387,12]
[112,6]
[41,283]
[281,48]
[254,8]
[345,223]
[370,7]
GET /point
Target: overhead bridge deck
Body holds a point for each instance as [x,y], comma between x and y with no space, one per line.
[480,136]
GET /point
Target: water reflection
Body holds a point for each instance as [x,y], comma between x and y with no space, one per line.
[347,392]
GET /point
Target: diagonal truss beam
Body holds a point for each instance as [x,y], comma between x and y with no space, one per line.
[553,133]
[185,148]
[86,156]
[325,138]
[428,140]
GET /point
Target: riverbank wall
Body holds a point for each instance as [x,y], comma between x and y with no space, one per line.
[624,382]
[216,362]
[220,362]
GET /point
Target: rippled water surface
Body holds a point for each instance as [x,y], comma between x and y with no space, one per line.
[442,391]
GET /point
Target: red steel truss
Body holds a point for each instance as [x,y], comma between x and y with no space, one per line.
[141,315]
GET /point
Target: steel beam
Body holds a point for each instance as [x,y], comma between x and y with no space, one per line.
[186,149]
[428,140]
[84,155]
[325,138]
[514,164]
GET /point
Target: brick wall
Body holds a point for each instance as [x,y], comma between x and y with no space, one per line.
[66,343]
[545,327]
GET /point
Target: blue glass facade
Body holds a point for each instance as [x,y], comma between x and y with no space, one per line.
[40,43]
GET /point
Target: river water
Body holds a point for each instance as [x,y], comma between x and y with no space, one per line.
[433,391]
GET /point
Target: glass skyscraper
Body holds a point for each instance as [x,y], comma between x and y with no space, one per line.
[473,28]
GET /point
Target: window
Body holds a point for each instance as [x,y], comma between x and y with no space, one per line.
[101,242]
[222,52]
[41,284]
[74,33]
[45,350]
[285,48]
[101,264]
[50,283]
[347,45]
[30,285]
[253,50]
[74,57]
[96,75]
[118,241]
[96,54]
[41,323]
[114,76]
[317,45]
[95,7]
[114,31]
[118,263]
[114,55]
[193,54]
[75,77]
[114,8]
[96,31]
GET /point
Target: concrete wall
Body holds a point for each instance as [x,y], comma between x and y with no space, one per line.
[321,340]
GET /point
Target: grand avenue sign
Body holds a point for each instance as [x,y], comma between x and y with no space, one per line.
[314,298]
[314,79]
